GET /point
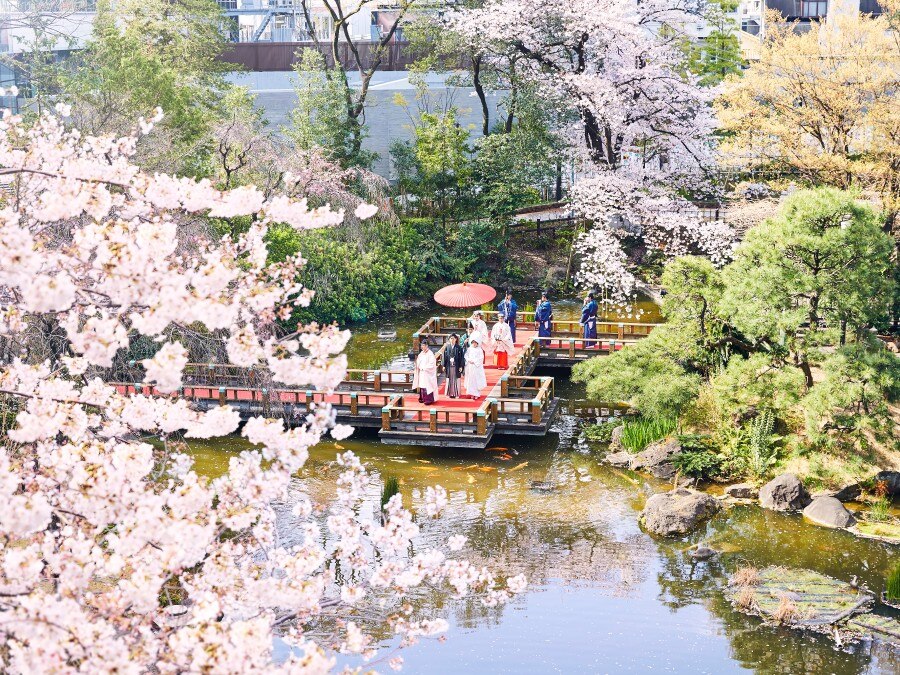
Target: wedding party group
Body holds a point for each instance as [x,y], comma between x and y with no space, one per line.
[465,358]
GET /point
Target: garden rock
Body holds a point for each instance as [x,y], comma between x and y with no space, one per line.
[891,479]
[828,512]
[742,491]
[622,458]
[615,439]
[657,458]
[848,493]
[784,493]
[677,512]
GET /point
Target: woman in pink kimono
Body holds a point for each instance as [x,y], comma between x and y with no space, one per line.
[425,377]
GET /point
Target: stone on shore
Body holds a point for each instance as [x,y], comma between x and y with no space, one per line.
[656,458]
[891,480]
[615,439]
[828,512]
[742,491]
[677,512]
[621,459]
[784,493]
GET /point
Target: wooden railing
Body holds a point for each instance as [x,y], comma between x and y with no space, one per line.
[397,417]
[525,396]
[438,329]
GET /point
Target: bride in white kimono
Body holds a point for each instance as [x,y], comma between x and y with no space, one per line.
[425,378]
[481,333]
[475,379]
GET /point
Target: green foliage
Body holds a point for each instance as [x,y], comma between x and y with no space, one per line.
[859,381]
[509,167]
[148,54]
[647,375]
[747,385]
[638,434]
[762,453]
[601,433]
[391,487]
[823,258]
[320,119]
[892,583]
[698,462]
[350,284]
[719,54]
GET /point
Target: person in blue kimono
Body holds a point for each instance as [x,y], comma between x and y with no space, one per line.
[508,308]
[543,316]
[589,321]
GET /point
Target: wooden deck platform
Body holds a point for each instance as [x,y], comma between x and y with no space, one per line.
[514,402]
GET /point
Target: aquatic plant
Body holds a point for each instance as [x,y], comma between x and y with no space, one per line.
[786,612]
[391,487]
[880,509]
[638,434]
[892,584]
[745,576]
[601,433]
[746,598]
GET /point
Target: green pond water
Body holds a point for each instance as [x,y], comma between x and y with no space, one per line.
[603,596]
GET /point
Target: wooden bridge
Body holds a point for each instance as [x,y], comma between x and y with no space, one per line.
[515,400]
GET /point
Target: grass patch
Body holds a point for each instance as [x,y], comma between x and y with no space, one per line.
[892,584]
[887,530]
[880,510]
[391,488]
[638,434]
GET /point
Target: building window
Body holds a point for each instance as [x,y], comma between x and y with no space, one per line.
[813,8]
[750,26]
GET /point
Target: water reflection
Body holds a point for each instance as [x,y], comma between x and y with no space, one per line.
[603,596]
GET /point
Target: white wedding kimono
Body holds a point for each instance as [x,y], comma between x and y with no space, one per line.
[501,336]
[426,372]
[474,374]
[481,334]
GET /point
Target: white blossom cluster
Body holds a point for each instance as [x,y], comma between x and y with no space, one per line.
[117,555]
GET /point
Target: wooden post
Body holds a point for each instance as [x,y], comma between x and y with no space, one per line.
[536,412]
[386,418]
[537,347]
[571,348]
[504,386]
[354,404]
[492,407]
[417,342]
[377,375]
[432,422]
[621,331]
[221,395]
[480,423]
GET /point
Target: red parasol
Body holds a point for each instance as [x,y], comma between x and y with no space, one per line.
[465,295]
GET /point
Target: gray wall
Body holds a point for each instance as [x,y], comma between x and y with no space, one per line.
[386,120]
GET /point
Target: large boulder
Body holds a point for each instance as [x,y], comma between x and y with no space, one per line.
[656,458]
[742,491]
[848,493]
[891,480]
[784,493]
[677,512]
[828,512]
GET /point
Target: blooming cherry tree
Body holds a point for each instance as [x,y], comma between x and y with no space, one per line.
[643,124]
[117,555]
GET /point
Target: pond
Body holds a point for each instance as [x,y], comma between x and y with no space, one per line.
[603,596]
